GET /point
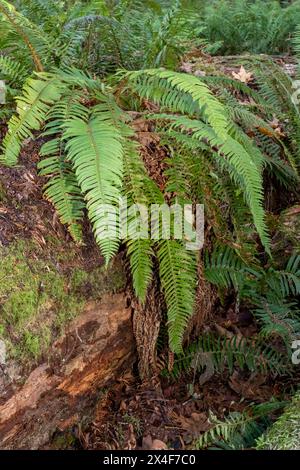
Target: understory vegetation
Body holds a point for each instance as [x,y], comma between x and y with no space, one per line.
[100,84]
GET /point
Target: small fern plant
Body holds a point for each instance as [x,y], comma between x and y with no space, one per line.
[270,293]
[239,430]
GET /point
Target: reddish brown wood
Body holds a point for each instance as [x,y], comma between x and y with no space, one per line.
[97,348]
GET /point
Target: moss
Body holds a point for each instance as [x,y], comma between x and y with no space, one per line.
[40,293]
[64,441]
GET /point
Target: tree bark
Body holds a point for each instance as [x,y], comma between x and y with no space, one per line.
[97,348]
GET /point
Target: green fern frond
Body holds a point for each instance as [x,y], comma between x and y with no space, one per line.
[62,188]
[220,81]
[12,69]
[286,281]
[277,318]
[244,170]
[139,250]
[225,268]
[284,434]
[176,86]
[277,88]
[32,107]
[239,430]
[228,353]
[24,29]
[79,78]
[140,254]
[95,149]
[177,271]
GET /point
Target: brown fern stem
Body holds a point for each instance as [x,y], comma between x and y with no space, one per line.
[37,62]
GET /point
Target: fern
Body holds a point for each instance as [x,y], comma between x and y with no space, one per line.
[225,268]
[177,271]
[240,26]
[24,29]
[32,107]
[284,434]
[286,282]
[95,149]
[62,189]
[91,157]
[239,430]
[277,88]
[187,94]
[242,168]
[278,318]
[226,354]
[12,69]
[139,250]
[175,86]
[267,291]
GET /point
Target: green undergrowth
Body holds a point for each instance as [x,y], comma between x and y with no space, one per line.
[285,432]
[41,291]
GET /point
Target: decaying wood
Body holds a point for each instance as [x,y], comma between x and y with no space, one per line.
[96,350]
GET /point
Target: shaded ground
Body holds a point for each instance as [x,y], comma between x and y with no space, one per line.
[133,416]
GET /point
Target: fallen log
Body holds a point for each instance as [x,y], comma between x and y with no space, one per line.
[97,348]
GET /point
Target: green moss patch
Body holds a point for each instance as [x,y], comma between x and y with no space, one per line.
[41,291]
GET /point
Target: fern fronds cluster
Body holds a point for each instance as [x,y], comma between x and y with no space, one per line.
[92,161]
[92,158]
[238,430]
[271,293]
[284,434]
[240,26]
[228,353]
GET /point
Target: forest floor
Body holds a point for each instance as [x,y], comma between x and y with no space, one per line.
[62,276]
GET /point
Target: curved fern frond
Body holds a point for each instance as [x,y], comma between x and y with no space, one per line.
[23,27]
[244,171]
[277,318]
[62,188]
[32,107]
[230,83]
[177,271]
[225,268]
[286,281]
[176,86]
[239,430]
[95,149]
[228,353]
